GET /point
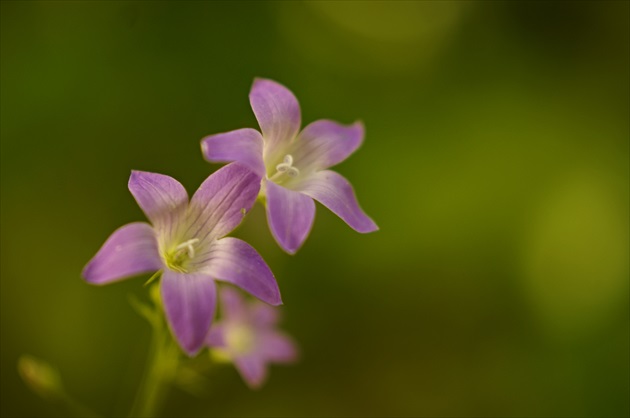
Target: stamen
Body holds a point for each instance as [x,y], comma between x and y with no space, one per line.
[286,166]
[293,172]
[187,245]
[179,257]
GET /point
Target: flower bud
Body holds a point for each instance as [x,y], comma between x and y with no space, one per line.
[41,377]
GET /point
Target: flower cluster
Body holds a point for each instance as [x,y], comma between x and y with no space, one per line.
[186,239]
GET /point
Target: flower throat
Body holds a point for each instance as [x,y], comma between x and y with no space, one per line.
[178,258]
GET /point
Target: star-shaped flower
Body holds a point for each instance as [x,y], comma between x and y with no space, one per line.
[247,335]
[293,165]
[186,243]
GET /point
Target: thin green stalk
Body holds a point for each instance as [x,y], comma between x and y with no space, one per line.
[152,278]
[77,407]
[149,394]
[160,371]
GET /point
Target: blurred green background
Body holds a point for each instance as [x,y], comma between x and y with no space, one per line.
[495,163]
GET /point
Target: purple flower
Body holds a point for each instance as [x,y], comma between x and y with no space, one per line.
[247,335]
[293,164]
[186,242]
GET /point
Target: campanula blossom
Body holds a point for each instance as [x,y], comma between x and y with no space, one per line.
[247,335]
[185,242]
[293,165]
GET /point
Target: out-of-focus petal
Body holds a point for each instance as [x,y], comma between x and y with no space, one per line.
[264,315]
[335,192]
[234,261]
[278,113]
[130,250]
[233,306]
[253,370]
[325,143]
[222,201]
[189,303]
[161,197]
[290,215]
[276,347]
[242,145]
[216,336]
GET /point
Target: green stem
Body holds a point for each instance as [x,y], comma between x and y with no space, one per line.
[160,371]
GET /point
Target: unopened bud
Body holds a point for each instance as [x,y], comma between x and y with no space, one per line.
[41,377]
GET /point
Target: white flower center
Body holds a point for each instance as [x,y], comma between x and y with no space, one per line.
[286,168]
[187,247]
[240,339]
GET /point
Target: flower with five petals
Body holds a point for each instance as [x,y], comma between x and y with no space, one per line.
[293,165]
[186,242]
[247,335]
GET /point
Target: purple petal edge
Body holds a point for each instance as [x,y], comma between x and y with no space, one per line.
[158,195]
[253,370]
[277,347]
[242,145]
[335,192]
[237,262]
[223,199]
[277,111]
[325,143]
[130,250]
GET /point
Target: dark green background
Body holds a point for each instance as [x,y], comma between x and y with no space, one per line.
[495,163]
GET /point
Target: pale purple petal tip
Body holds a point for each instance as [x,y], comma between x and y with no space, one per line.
[224,198]
[253,370]
[232,303]
[242,145]
[158,195]
[189,302]
[264,315]
[290,215]
[335,192]
[277,111]
[277,347]
[131,250]
[234,261]
[325,143]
